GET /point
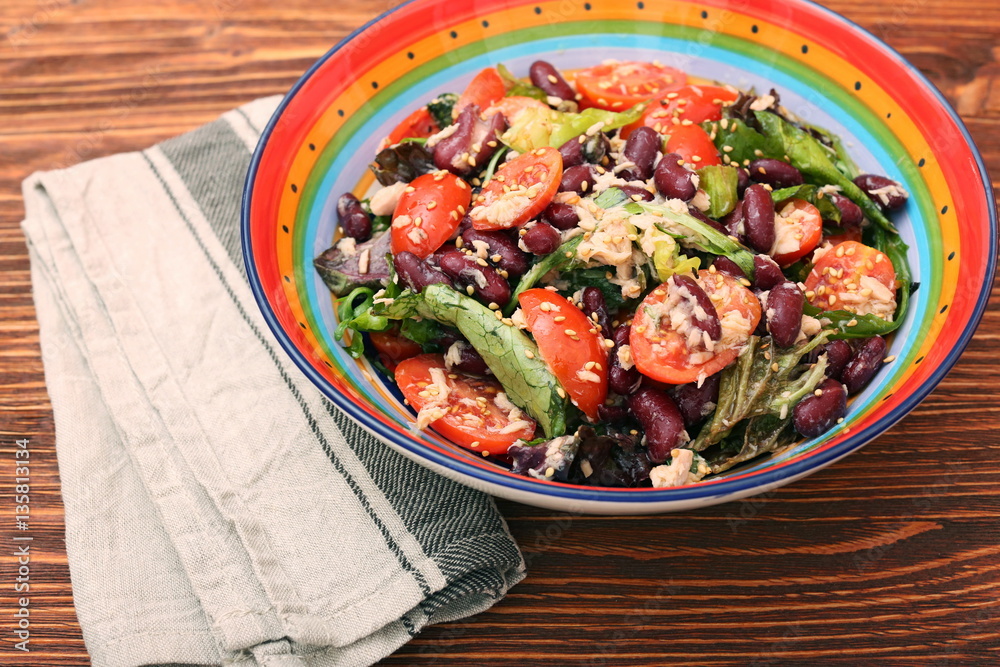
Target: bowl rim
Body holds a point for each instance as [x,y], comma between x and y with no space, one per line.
[718,489]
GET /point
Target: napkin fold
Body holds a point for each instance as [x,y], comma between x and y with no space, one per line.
[219,510]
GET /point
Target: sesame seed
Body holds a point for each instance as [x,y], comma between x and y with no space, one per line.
[475,444]
[608,342]
[561,392]
[410,188]
[840,251]
[569,332]
[852,323]
[431,205]
[832,299]
[891,358]
[775,367]
[494,305]
[481,262]
[470,290]
[529,354]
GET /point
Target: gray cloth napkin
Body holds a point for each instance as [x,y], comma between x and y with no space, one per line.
[219,510]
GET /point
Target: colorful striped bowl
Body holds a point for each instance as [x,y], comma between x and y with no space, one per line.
[828,71]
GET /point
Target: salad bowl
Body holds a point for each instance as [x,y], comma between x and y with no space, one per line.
[830,73]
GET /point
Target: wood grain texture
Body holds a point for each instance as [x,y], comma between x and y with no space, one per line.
[890,556]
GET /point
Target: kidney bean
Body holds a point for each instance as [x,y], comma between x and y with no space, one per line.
[871,182]
[816,414]
[672,180]
[838,353]
[696,403]
[468,271]
[548,78]
[729,267]
[660,419]
[758,218]
[695,213]
[469,361]
[742,180]
[503,250]
[862,367]
[572,153]
[766,272]
[353,219]
[593,304]
[775,173]
[733,221]
[710,323]
[641,148]
[850,213]
[468,147]
[417,273]
[540,238]
[578,179]
[632,190]
[784,313]
[622,381]
[612,414]
[561,216]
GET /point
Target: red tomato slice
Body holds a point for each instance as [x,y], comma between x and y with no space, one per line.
[618,86]
[694,103]
[420,123]
[855,277]
[662,353]
[392,347]
[428,213]
[519,191]
[800,224]
[470,417]
[571,345]
[484,90]
[693,144]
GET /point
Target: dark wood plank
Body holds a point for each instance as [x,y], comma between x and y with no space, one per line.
[890,555]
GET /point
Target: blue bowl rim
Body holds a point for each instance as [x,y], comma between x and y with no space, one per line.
[526,484]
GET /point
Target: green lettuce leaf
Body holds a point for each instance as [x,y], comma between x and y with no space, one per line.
[719,183]
[517,87]
[537,127]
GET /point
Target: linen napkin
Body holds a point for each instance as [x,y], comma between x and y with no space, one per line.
[219,510]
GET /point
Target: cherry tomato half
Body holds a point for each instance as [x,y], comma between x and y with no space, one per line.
[618,86]
[662,354]
[470,422]
[484,90]
[392,347]
[798,230]
[694,103]
[855,277]
[693,144]
[420,123]
[519,191]
[571,345]
[428,213]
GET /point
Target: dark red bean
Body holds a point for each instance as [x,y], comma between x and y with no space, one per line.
[672,180]
[729,267]
[353,219]
[758,218]
[622,381]
[838,353]
[696,403]
[640,149]
[784,313]
[417,273]
[710,322]
[742,180]
[469,361]
[470,141]
[815,414]
[578,179]
[660,419]
[766,273]
[593,306]
[548,78]
[541,238]
[467,271]
[850,213]
[733,221]
[862,367]
[872,182]
[503,250]
[561,216]
[632,190]
[612,414]
[693,210]
[775,173]
[572,153]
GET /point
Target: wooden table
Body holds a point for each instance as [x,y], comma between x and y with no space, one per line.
[890,556]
